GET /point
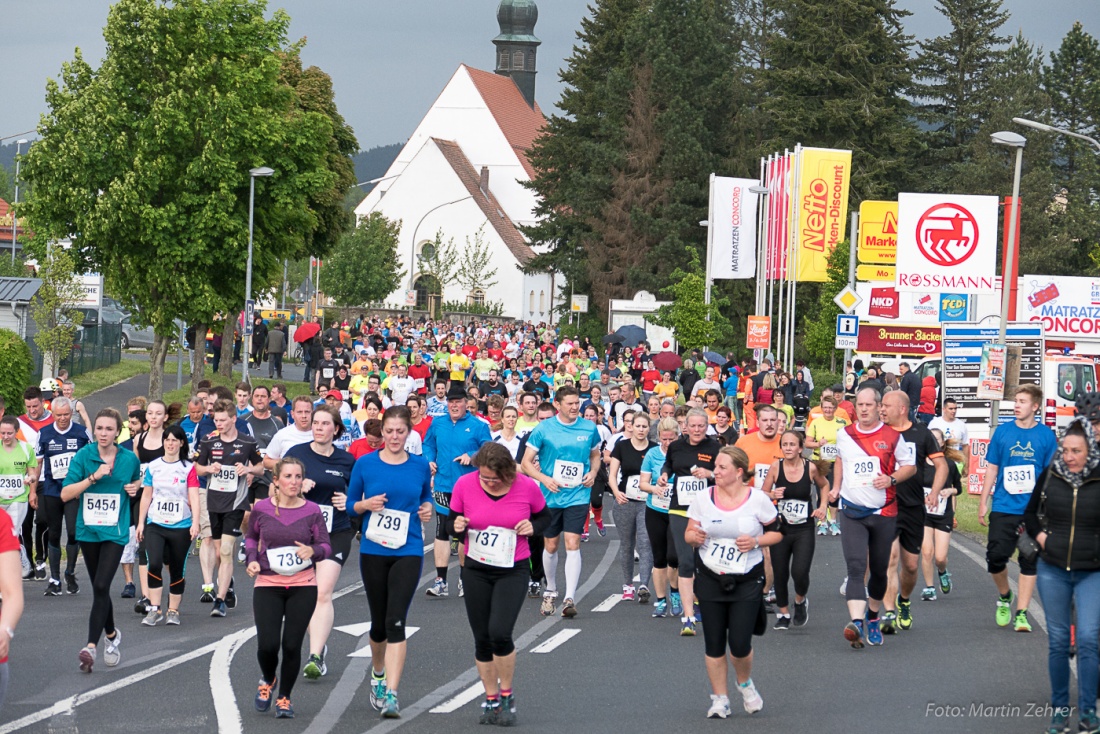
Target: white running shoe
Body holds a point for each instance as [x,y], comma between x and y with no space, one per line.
[844,587]
[753,701]
[719,707]
[111,654]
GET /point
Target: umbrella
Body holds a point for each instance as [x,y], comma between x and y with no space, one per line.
[667,361]
[612,339]
[631,334]
[306,331]
[714,358]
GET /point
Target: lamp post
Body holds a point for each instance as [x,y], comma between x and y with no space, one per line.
[18,145]
[1017,141]
[253,174]
[412,247]
[761,237]
[1058,130]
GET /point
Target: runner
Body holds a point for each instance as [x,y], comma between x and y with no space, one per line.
[18,478]
[286,538]
[264,425]
[298,432]
[104,476]
[451,443]
[568,447]
[821,437]
[790,483]
[727,526]
[325,483]
[690,465]
[662,545]
[1018,452]
[507,436]
[624,472]
[387,488]
[35,525]
[148,446]
[498,511]
[11,588]
[167,523]
[953,428]
[57,445]
[938,522]
[762,448]
[871,460]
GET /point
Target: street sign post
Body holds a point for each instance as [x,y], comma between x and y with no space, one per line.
[249,316]
[579,304]
[847,331]
[847,299]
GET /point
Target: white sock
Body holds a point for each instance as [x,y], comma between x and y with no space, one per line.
[572,572]
[550,568]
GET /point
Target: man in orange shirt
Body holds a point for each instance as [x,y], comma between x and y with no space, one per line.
[815,412]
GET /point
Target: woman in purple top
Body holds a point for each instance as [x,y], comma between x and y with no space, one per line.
[498,510]
[286,536]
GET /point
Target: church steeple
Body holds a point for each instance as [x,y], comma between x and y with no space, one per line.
[517,43]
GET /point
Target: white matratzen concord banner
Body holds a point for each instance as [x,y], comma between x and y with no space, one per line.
[732,228]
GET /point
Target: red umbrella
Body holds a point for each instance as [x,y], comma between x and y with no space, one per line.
[667,361]
[306,331]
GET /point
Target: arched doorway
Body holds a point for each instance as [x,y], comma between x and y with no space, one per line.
[429,294]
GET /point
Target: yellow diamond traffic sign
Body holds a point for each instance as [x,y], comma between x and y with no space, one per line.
[847,299]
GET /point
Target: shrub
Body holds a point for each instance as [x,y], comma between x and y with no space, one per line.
[15,370]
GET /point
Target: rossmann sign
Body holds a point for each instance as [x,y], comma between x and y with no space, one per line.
[1068,308]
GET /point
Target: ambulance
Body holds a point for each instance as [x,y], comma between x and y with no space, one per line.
[1065,378]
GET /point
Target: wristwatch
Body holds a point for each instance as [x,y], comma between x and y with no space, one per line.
[893,481]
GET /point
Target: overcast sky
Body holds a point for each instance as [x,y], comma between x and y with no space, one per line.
[390,58]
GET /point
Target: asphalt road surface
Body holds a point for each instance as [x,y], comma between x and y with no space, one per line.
[610,670]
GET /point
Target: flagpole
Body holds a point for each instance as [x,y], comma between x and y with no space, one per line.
[770,254]
[710,244]
[796,252]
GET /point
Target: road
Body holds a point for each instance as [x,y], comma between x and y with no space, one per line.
[605,670]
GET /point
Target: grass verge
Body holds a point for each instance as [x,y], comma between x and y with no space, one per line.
[95,380]
[966,511]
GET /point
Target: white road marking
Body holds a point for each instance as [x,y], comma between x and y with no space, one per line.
[556,641]
[470,694]
[355,630]
[608,604]
[364,652]
[221,687]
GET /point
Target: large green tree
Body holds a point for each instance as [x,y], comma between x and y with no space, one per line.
[144,162]
[364,268]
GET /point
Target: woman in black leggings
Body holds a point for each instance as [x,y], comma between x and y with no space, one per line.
[498,510]
[665,562]
[790,483]
[104,476]
[168,521]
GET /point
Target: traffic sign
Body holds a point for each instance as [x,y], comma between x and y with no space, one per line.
[847,299]
[847,331]
[249,316]
[410,298]
[878,232]
[579,304]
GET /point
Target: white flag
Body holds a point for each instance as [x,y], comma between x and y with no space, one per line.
[732,228]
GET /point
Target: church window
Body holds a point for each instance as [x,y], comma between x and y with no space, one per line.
[505,60]
[517,60]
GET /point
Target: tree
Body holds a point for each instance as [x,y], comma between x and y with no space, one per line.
[364,266]
[439,260]
[7,184]
[474,270]
[1071,82]
[145,161]
[687,315]
[52,308]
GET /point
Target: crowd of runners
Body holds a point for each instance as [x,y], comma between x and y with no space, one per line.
[505,445]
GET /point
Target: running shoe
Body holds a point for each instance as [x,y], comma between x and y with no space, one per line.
[40,573]
[53,588]
[71,586]
[782,622]
[438,588]
[207,594]
[547,607]
[677,606]
[853,633]
[142,605]
[643,594]
[283,709]
[534,590]
[823,528]
[1020,624]
[241,557]
[801,613]
[377,690]
[390,707]
[698,611]
[568,609]
[660,609]
[945,582]
[312,671]
[719,707]
[87,659]
[905,614]
[490,713]
[929,594]
[507,710]
[219,608]
[172,617]
[844,587]
[753,701]
[874,632]
[1088,723]
[461,591]
[111,653]
[153,618]
[688,628]
[454,546]
[263,696]
[128,591]
[584,537]
[834,529]
[231,596]
[628,593]
[889,620]
[601,530]
[1059,722]
[1004,610]
[769,598]
[25,564]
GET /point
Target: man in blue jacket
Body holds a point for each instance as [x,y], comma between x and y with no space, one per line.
[449,447]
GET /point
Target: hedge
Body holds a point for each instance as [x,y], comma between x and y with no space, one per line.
[15,370]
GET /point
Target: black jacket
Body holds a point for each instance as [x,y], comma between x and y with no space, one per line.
[1071,520]
[910,385]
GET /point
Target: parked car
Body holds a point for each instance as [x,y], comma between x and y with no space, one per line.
[139,337]
[93,316]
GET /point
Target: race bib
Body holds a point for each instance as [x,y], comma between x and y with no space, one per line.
[863,473]
[568,474]
[663,500]
[285,561]
[634,488]
[327,373]
[760,473]
[722,556]
[688,488]
[100,510]
[941,505]
[59,465]
[166,511]
[419,383]
[326,512]
[443,499]
[493,546]
[1019,479]
[388,528]
[829,452]
[794,512]
[224,481]
[11,486]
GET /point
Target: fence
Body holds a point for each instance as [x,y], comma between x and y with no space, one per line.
[94,347]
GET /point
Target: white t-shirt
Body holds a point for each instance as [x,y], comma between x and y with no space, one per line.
[287,438]
[401,388]
[413,444]
[955,429]
[748,519]
[512,446]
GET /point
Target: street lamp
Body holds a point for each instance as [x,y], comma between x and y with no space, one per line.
[253,174]
[1017,141]
[1051,129]
[412,247]
[18,144]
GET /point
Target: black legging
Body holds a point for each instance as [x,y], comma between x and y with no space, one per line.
[102,559]
[660,539]
[282,616]
[793,556]
[390,583]
[494,597]
[866,543]
[35,529]
[56,511]
[536,544]
[167,545]
[684,552]
[731,623]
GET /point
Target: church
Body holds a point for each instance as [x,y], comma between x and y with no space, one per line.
[462,172]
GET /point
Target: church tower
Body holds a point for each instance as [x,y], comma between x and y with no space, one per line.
[517,43]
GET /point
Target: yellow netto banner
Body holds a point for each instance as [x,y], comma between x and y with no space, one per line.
[822,209]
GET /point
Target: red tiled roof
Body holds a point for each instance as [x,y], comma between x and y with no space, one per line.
[492,209]
[5,224]
[519,123]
